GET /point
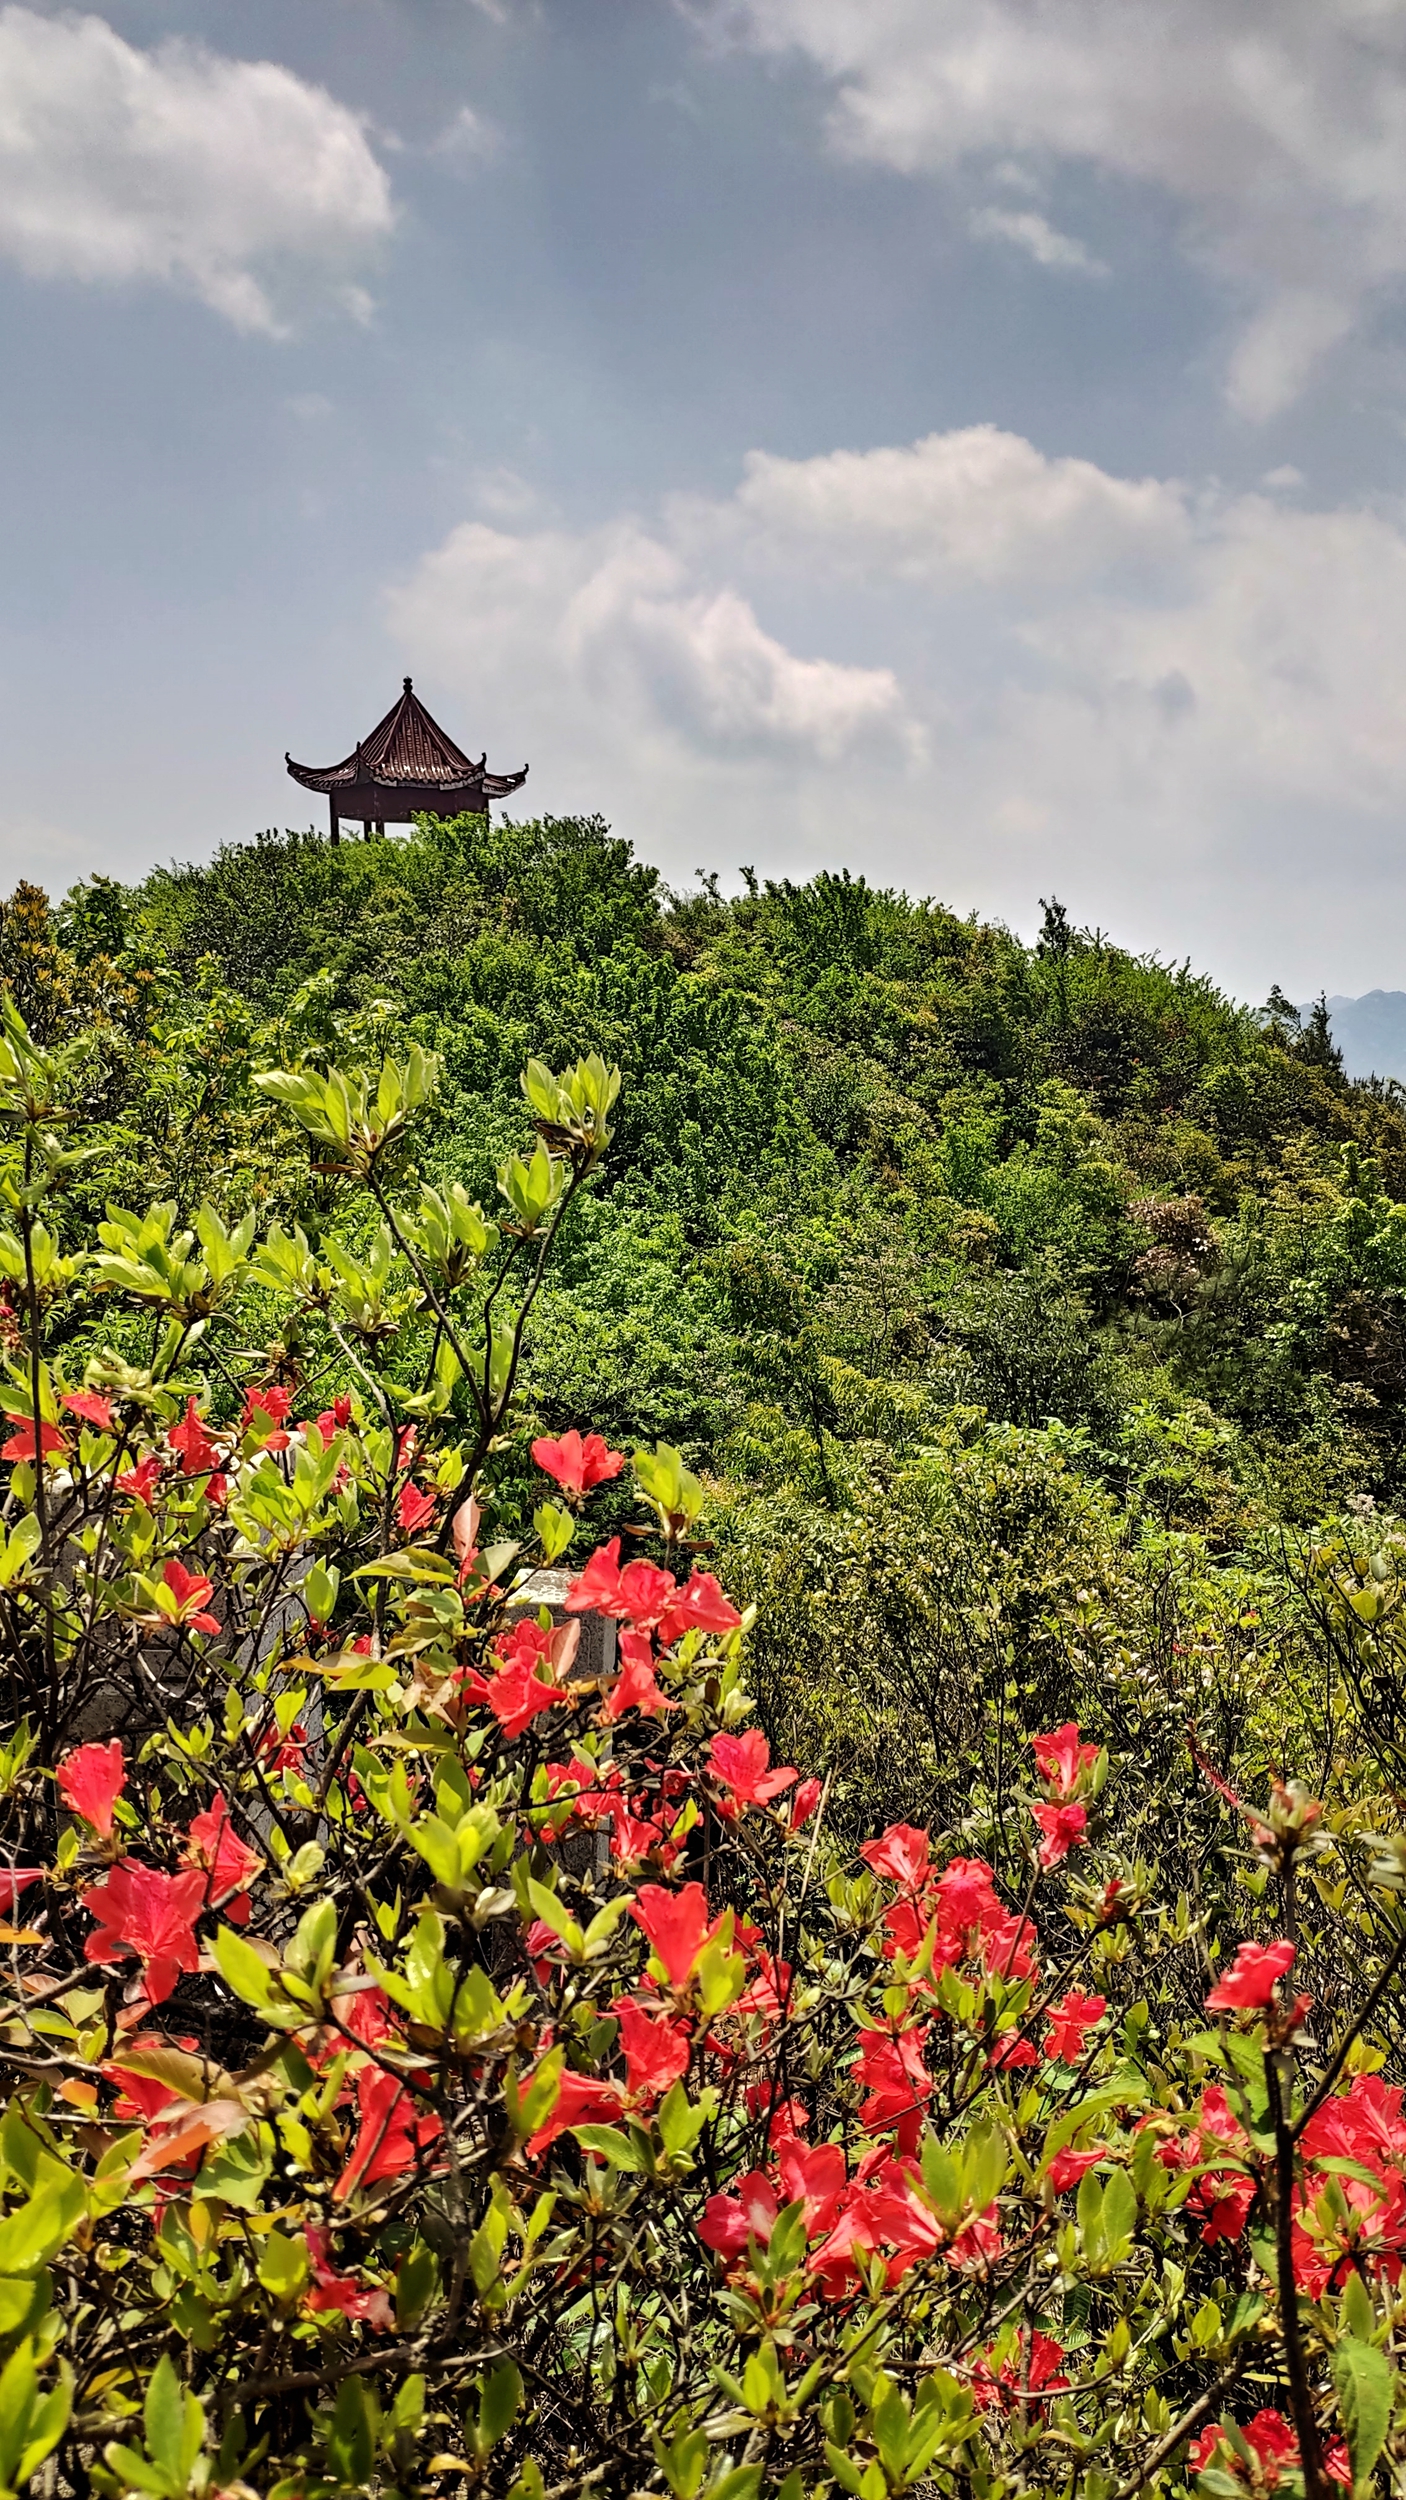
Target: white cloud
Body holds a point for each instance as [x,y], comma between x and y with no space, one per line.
[973,506]
[1179,709]
[1033,234]
[233,181]
[1280,131]
[611,629]
[469,139]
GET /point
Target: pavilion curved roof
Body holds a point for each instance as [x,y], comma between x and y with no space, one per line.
[408,750]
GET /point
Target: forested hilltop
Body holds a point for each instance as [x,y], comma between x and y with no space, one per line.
[1036,1311]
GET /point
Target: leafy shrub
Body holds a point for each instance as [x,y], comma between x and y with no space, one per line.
[445,2059]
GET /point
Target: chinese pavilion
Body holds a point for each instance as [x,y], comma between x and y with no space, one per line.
[406,767]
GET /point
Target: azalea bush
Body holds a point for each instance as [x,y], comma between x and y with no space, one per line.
[448,2053]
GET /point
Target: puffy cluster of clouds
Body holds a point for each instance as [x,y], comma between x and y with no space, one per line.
[1279,132]
[1160,694]
[617,632]
[233,181]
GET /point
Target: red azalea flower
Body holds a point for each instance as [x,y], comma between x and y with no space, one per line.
[635,1687]
[92,1779]
[415,1509]
[912,2231]
[213,1843]
[190,1593]
[577,1465]
[265,1410]
[1067,2168]
[805,1801]
[1008,1947]
[966,1897]
[641,1594]
[13,1881]
[813,2175]
[281,1753]
[1252,1977]
[343,2292]
[1062,1758]
[1008,2050]
[906,1924]
[783,2117]
[1268,2437]
[676,1924]
[140,1482]
[1023,2373]
[768,1992]
[1364,2123]
[656,2052]
[904,1853]
[596,1590]
[1069,2020]
[140,2096]
[1063,1828]
[92,1409]
[392,2133]
[21,1443]
[197,1452]
[366,2014]
[893,2067]
[143,1911]
[729,2222]
[1225,2200]
[742,1765]
[633,1841]
[699,1606]
[644,1593]
[514,1696]
[582,2101]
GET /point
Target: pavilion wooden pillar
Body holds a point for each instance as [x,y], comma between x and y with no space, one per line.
[336,819]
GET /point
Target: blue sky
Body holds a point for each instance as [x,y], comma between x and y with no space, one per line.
[959,439]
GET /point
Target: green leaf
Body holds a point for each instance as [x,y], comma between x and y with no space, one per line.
[21,2296]
[1359,2318]
[30,2236]
[416,2282]
[501,2397]
[612,2145]
[1366,2383]
[680,2122]
[846,2475]
[529,2110]
[283,2266]
[351,2440]
[1119,2215]
[486,2248]
[45,2428]
[237,2171]
[174,2423]
[242,1969]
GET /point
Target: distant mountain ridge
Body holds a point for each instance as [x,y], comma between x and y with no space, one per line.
[1370,1032]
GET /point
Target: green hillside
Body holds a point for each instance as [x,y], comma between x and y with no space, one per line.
[1007,1294]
